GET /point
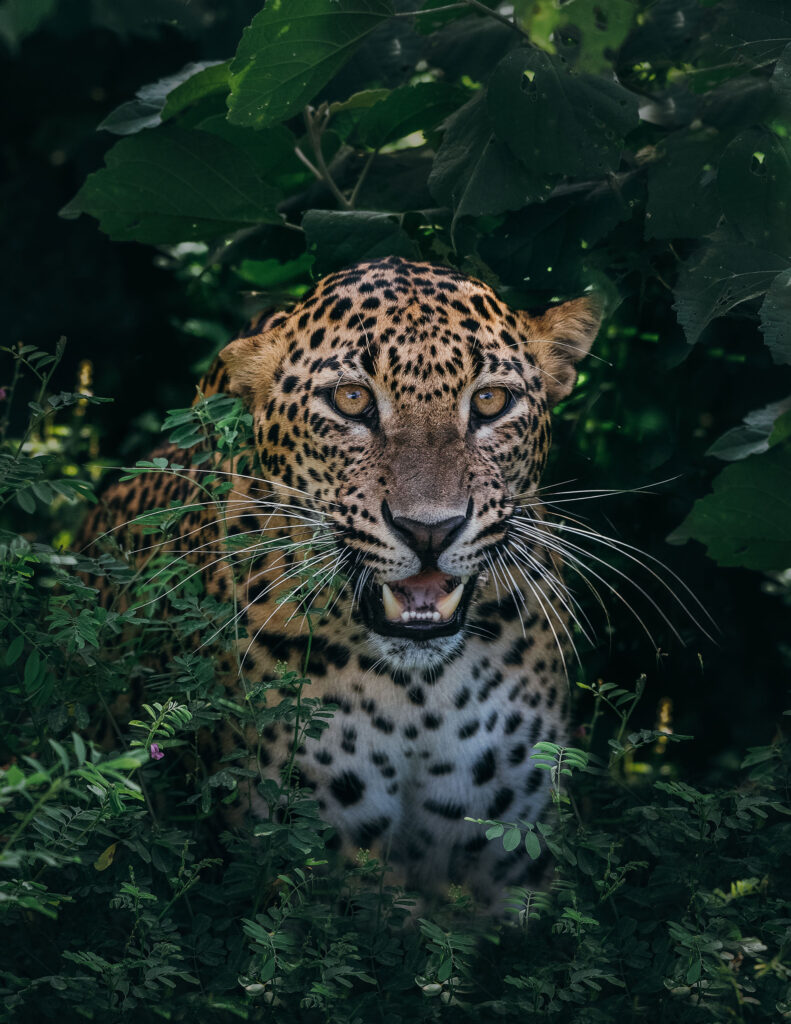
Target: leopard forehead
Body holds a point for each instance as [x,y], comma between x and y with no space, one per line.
[392,318]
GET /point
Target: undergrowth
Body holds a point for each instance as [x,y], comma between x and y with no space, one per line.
[123,893]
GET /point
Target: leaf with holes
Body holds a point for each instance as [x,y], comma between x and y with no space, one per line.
[719,277]
[754,186]
[558,122]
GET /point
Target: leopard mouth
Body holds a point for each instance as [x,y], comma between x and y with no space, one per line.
[422,607]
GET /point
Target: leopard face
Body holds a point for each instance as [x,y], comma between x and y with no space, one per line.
[408,407]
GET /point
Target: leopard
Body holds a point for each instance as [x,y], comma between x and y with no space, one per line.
[401,420]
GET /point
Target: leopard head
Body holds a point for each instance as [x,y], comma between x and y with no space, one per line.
[410,407]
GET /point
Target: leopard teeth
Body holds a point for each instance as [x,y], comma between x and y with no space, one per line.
[393,607]
[446,606]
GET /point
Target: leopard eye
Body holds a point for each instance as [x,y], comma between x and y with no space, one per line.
[488,403]
[352,400]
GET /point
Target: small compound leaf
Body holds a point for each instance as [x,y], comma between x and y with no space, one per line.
[290,51]
[746,520]
[754,186]
[512,839]
[340,237]
[718,278]
[170,185]
[754,436]
[532,845]
[776,318]
[146,110]
[556,121]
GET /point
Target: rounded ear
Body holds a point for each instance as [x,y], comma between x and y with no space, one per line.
[559,338]
[250,363]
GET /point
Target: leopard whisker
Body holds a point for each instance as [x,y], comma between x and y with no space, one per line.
[556,584]
[566,552]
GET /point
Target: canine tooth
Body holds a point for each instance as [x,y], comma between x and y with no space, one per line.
[465,579]
[436,616]
[446,606]
[393,609]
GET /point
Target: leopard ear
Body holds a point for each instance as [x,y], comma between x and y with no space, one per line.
[250,363]
[559,338]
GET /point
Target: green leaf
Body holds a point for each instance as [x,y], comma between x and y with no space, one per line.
[558,122]
[684,162]
[407,110]
[598,29]
[340,237]
[14,650]
[746,520]
[753,437]
[20,18]
[719,277]
[271,150]
[474,173]
[754,186]
[776,318]
[512,839]
[32,670]
[532,845]
[290,51]
[158,100]
[169,185]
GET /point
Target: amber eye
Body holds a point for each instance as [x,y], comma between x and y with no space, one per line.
[490,402]
[352,400]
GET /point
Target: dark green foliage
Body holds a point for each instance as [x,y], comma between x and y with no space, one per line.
[508,145]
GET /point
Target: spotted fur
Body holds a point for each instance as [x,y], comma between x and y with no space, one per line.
[428,732]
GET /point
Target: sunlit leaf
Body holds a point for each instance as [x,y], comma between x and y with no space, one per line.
[289,52]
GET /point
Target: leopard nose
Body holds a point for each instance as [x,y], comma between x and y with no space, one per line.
[427,539]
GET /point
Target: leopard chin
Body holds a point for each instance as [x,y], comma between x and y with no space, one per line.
[400,654]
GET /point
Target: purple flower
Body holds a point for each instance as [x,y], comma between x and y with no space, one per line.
[3,394]
[156,753]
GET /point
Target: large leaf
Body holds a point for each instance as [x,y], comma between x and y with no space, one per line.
[271,150]
[754,436]
[169,185]
[556,121]
[683,164]
[754,185]
[404,111]
[340,237]
[746,520]
[160,100]
[776,318]
[291,50]
[473,172]
[757,31]
[718,278]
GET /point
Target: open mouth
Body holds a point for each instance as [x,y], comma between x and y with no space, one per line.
[430,604]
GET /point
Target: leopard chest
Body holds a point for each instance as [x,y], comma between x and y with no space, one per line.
[404,761]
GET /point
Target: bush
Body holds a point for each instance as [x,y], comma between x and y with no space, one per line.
[641,149]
